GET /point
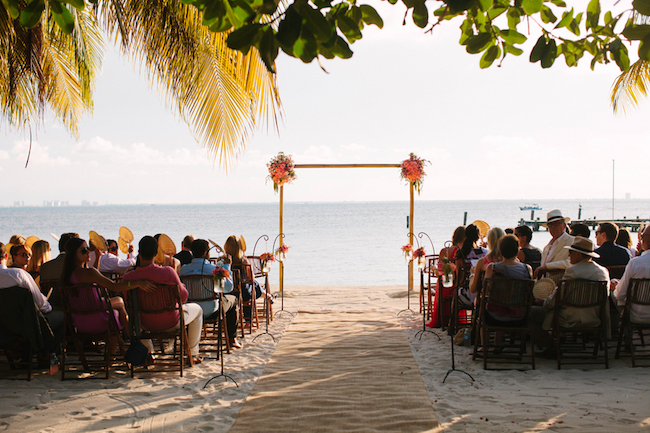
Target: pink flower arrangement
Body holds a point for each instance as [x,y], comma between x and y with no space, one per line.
[445,267]
[413,170]
[281,170]
[284,248]
[419,253]
[267,257]
[407,250]
[219,273]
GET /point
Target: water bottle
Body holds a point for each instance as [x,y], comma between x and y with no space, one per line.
[467,337]
[54,364]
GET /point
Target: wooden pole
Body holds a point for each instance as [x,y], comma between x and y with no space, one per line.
[281,239]
[410,284]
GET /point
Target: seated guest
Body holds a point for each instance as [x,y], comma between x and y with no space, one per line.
[554,255]
[446,254]
[639,246]
[111,262]
[40,255]
[145,269]
[12,277]
[185,254]
[624,239]
[581,253]
[53,269]
[527,253]
[638,267]
[579,229]
[201,266]
[20,256]
[14,240]
[457,240]
[167,260]
[493,237]
[610,253]
[77,271]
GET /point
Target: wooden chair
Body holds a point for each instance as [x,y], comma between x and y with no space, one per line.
[52,291]
[616,271]
[241,276]
[88,317]
[201,289]
[581,294]
[514,294]
[638,294]
[428,280]
[166,299]
[556,275]
[462,278]
[258,273]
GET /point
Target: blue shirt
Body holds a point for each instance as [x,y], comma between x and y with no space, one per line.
[612,254]
[204,267]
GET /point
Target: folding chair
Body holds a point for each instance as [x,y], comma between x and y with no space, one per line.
[638,295]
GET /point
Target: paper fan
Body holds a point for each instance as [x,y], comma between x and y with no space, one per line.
[242,243]
[126,234]
[56,238]
[124,245]
[166,245]
[543,288]
[98,241]
[482,226]
[30,241]
[216,246]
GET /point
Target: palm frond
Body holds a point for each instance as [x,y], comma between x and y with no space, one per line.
[631,86]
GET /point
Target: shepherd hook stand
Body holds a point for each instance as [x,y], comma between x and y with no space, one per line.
[266,311]
[282,310]
[222,374]
[408,292]
[453,364]
[424,315]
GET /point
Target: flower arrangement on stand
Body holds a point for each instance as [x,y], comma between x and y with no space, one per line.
[281,170]
[419,255]
[446,271]
[413,171]
[281,252]
[408,252]
[218,274]
[266,259]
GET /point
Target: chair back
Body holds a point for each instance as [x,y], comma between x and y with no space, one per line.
[431,266]
[556,275]
[256,266]
[115,277]
[581,293]
[199,287]
[639,291]
[616,271]
[534,265]
[52,290]
[88,308]
[166,298]
[245,273]
[509,292]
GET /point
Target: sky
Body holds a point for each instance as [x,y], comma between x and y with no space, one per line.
[510,132]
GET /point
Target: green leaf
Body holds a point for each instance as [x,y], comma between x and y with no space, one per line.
[317,23]
[496,11]
[466,31]
[512,50]
[12,7]
[349,28]
[485,5]
[420,15]
[514,18]
[214,14]
[490,56]
[77,4]
[31,15]
[642,6]
[268,48]
[547,15]
[559,3]
[478,43]
[619,54]
[370,16]
[512,36]
[538,50]
[593,14]
[244,37]
[341,48]
[644,49]
[550,54]
[268,7]
[62,16]
[236,21]
[306,48]
[567,17]
[289,30]
[636,33]
[531,6]
[242,10]
[574,25]
[459,5]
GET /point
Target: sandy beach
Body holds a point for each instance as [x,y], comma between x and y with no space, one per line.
[573,399]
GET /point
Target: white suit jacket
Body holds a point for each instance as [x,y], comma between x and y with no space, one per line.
[558,258]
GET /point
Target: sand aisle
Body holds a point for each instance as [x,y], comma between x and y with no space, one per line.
[340,372]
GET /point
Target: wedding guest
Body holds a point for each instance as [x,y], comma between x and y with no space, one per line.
[185,254]
[527,253]
[579,229]
[638,267]
[467,257]
[40,254]
[111,262]
[146,269]
[20,256]
[611,254]
[443,293]
[167,260]
[494,235]
[457,240]
[53,269]
[639,245]
[554,255]
[13,241]
[624,239]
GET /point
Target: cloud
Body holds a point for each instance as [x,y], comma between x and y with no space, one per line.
[39,155]
[354,147]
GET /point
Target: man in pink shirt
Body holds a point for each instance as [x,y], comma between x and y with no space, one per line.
[193,314]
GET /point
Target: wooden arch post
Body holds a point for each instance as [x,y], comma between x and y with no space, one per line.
[412,197]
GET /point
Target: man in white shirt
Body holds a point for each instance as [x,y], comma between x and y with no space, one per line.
[555,255]
[110,262]
[638,267]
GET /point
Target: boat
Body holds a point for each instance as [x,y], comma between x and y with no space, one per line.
[530,207]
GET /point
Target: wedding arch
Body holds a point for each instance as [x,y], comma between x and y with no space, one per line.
[282,171]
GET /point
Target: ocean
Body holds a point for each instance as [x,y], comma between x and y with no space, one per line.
[340,244]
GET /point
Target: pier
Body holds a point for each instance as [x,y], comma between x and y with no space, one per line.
[631,224]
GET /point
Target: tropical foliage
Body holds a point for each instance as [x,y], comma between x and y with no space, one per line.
[52,50]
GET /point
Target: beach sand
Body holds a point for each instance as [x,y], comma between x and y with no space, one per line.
[572,399]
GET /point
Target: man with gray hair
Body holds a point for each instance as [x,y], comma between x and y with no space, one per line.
[555,255]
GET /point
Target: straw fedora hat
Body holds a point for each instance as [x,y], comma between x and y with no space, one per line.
[555,215]
[584,246]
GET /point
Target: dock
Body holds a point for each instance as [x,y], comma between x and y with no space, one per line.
[631,224]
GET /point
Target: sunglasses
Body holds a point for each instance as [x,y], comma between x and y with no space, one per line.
[85,251]
[112,249]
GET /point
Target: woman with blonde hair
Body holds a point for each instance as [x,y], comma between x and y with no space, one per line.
[40,254]
[494,256]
